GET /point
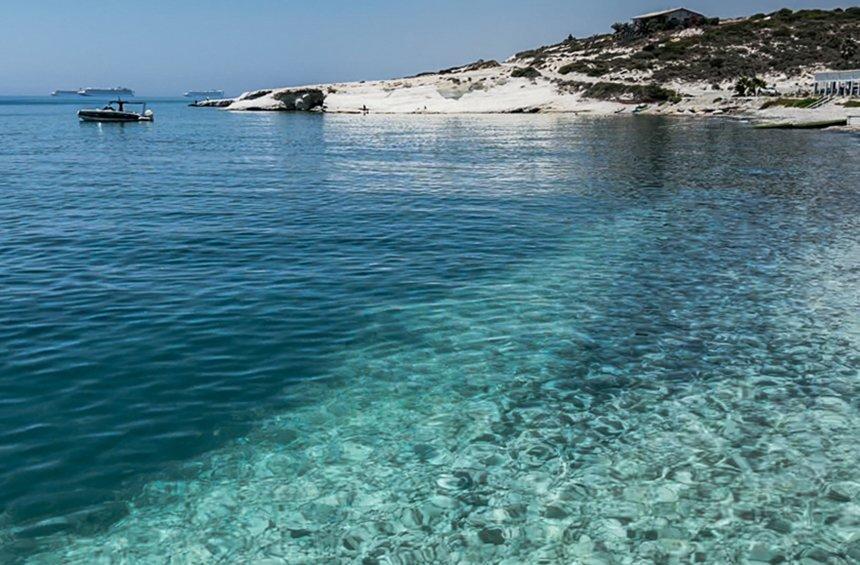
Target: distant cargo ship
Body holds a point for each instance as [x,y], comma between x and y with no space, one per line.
[118,91]
[204,94]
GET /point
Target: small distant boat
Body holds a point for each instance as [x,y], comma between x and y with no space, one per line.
[204,94]
[118,91]
[65,93]
[115,112]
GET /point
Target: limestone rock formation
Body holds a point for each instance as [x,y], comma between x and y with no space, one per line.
[300,100]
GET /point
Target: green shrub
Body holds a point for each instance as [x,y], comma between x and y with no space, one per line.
[672,50]
[574,67]
[585,67]
[848,48]
[644,56]
[789,103]
[656,93]
[633,92]
[525,72]
[748,86]
[621,28]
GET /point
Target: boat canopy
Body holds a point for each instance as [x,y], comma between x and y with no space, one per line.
[122,103]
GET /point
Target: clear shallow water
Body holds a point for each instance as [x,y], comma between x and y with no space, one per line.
[323,338]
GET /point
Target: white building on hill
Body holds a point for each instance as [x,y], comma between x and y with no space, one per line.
[838,83]
[678,16]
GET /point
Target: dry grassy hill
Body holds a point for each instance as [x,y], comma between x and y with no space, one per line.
[785,42]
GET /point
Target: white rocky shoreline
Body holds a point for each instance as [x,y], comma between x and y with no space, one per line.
[545,83]
[496,92]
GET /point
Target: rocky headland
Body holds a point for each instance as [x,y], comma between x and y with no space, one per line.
[707,67]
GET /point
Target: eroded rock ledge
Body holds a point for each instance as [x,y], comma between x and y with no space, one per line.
[282,100]
[213,103]
[301,100]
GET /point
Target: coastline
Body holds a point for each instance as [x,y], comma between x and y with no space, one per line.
[760,68]
[494,90]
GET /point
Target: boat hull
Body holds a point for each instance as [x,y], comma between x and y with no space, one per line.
[108,116]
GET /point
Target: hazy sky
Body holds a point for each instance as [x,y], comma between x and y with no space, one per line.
[164,47]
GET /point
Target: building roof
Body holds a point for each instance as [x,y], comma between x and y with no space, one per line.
[665,13]
[853,74]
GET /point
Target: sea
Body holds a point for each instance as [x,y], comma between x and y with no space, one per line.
[307,338]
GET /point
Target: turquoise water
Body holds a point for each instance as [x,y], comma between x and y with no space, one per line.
[303,338]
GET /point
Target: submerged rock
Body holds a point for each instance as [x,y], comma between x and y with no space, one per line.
[494,536]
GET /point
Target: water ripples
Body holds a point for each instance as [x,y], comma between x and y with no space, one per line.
[310,338]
